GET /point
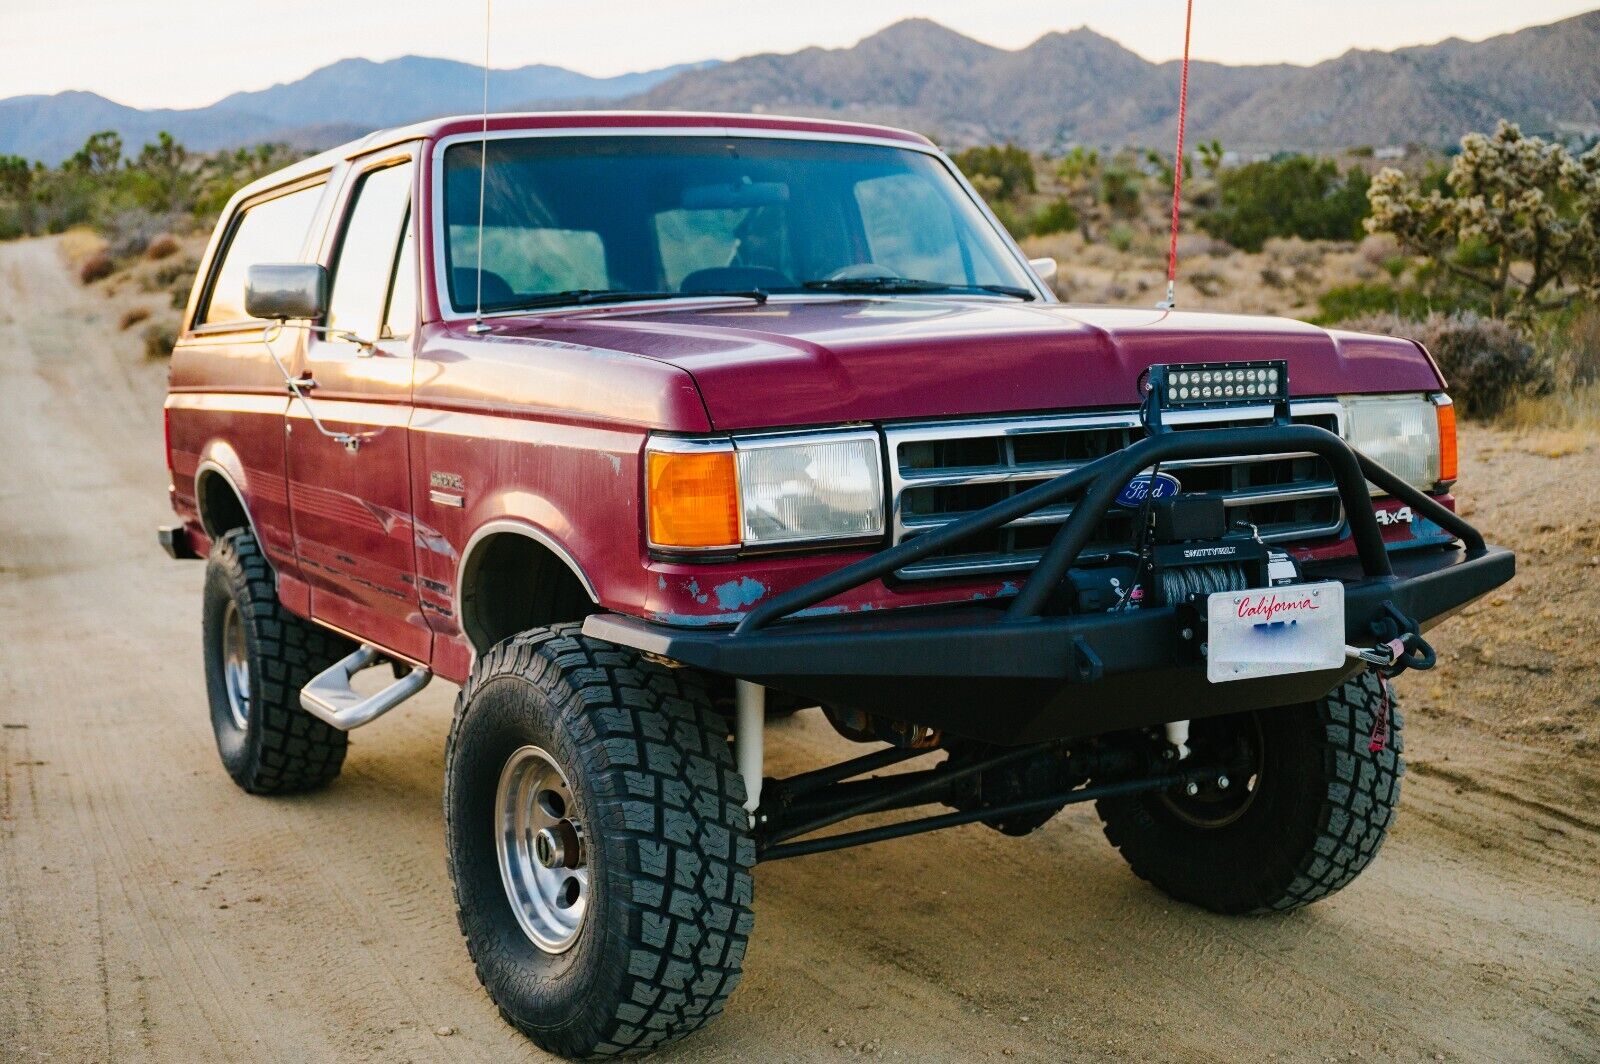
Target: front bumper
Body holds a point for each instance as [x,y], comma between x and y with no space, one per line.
[1010,673]
[969,671]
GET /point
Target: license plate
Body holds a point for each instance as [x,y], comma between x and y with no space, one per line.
[1274,631]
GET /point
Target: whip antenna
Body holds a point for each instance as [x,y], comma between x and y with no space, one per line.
[1177,167]
[483,163]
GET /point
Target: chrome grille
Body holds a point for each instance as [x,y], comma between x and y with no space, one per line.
[940,472]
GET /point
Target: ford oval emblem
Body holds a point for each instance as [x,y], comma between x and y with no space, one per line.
[1147,486]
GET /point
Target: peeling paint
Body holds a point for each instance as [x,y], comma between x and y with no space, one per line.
[693,620]
[616,463]
[661,583]
[823,611]
[693,587]
[735,594]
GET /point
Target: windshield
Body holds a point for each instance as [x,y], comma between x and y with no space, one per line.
[575,216]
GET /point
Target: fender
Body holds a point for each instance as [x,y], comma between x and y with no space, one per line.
[521,527]
[218,457]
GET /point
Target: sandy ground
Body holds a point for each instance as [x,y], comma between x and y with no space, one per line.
[151,911]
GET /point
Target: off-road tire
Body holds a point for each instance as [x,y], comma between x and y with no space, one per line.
[1323,804]
[667,843]
[282,749]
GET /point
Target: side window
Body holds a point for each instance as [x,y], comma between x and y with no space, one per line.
[270,231]
[364,268]
[401,317]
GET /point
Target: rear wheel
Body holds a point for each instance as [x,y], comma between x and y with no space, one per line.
[258,656]
[1313,806]
[598,844]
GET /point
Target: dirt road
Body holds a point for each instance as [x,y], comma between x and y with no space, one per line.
[151,911]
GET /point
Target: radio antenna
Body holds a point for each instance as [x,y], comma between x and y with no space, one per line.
[1177,168]
[483,164]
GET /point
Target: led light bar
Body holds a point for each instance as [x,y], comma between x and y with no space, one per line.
[1220,384]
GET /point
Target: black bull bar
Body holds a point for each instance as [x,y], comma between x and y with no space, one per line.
[1022,675]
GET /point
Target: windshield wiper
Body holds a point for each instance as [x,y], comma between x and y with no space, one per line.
[910,284]
[581,297]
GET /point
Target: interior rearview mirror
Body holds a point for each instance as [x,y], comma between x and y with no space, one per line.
[1045,268]
[284,290]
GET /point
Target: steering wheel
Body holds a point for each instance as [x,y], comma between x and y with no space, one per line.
[862,271]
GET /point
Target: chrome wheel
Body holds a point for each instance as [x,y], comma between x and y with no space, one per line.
[541,844]
[236,666]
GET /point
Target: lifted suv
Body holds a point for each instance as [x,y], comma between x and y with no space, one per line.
[692,419]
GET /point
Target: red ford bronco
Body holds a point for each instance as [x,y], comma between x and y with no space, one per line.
[640,427]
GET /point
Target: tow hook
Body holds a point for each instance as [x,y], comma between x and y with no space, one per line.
[1402,646]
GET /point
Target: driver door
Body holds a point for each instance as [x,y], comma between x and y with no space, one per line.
[351,503]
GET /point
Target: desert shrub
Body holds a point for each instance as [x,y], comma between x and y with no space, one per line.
[159,340]
[171,273]
[1057,216]
[1010,166]
[1119,191]
[1297,196]
[1364,300]
[1294,251]
[133,316]
[1192,246]
[1569,344]
[1206,282]
[1515,220]
[132,230]
[1486,363]
[96,266]
[1120,237]
[162,247]
[1378,248]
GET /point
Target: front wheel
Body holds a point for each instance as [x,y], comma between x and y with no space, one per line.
[1306,819]
[598,844]
[258,656]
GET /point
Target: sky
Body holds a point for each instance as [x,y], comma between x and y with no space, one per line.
[188,53]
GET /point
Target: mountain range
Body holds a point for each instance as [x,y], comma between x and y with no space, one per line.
[1076,87]
[327,106]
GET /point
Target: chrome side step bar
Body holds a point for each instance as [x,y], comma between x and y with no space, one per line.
[330,698]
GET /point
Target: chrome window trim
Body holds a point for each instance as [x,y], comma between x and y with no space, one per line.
[1044,293]
[900,526]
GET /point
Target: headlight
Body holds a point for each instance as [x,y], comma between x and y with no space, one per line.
[1399,432]
[762,492]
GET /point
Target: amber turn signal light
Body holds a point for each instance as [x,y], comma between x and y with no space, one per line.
[1447,443]
[693,499]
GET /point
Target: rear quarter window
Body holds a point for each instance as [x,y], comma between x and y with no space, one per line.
[271,230]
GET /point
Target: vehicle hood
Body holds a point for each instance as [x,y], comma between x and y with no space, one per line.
[809,362]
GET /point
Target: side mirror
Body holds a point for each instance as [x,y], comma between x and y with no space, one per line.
[1045,268]
[280,291]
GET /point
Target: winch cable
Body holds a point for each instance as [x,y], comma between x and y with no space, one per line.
[1177,166]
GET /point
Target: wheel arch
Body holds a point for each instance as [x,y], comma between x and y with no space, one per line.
[513,576]
[219,498]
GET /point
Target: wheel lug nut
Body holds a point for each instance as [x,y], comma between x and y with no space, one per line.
[1191,789]
[1222,783]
